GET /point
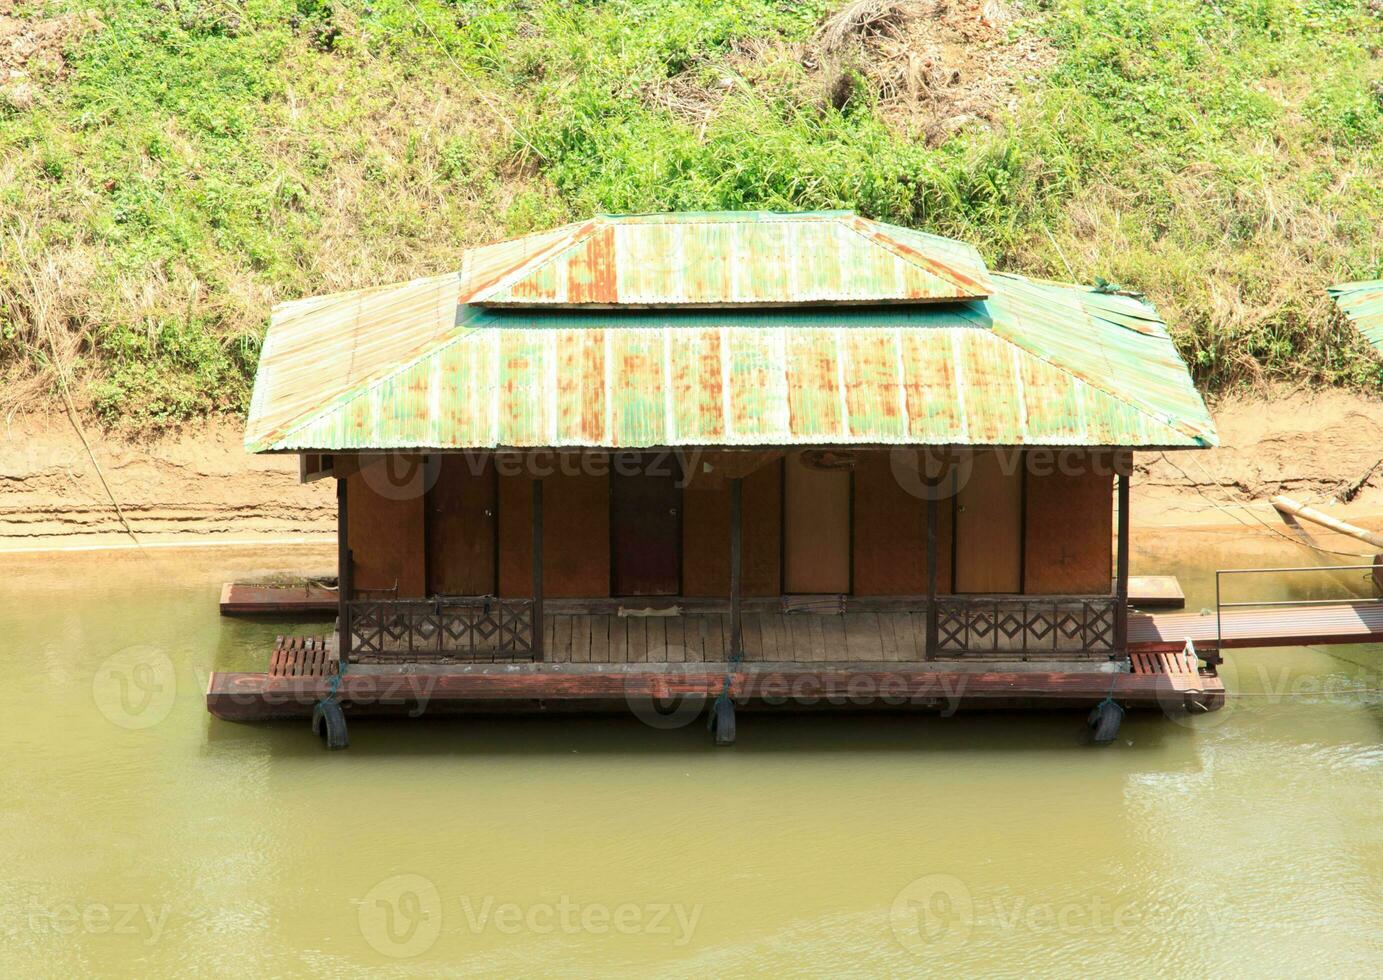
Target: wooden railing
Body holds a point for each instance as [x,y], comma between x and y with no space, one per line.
[488,629]
[480,628]
[1007,625]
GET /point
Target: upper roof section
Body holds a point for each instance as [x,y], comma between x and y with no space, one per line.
[1362,302]
[722,259]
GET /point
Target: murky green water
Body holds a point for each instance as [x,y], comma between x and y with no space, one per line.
[140,836]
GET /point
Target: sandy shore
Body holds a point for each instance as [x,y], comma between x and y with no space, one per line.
[198,486]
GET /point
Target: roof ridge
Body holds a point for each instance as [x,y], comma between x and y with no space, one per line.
[582,231]
[916,258]
[1105,390]
[727,217]
[1113,392]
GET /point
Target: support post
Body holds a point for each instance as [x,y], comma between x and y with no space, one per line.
[537,569]
[736,635]
[1121,562]
[343,573]
[930,652]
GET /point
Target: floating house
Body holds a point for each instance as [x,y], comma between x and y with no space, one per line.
[759,459]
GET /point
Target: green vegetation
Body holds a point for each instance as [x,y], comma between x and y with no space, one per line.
[188,163]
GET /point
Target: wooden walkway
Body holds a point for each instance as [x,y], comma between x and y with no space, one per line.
[1280,626]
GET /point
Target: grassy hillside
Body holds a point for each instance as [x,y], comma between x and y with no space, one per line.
[171,168]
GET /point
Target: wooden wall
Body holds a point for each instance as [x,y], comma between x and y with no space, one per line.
[576,535]
[384,514]
[1067,533]
[1068,530]
[706,535]
[461,511]
[816,526]
[890,552]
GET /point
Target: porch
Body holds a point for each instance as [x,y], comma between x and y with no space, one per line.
[789,629]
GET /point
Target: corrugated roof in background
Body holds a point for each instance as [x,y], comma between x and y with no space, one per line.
[1362,302]
[1036,364]
[735,258]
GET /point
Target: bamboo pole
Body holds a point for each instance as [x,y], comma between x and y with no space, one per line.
[1287,505]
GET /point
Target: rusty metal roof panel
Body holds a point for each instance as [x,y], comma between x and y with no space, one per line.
[615,380]
[409,366]
[737,258]
[1362,302]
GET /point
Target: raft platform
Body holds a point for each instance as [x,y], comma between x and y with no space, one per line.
[1155,592]
[1159,673]
[247,599]
[303,671]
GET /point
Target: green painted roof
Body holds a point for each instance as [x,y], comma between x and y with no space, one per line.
[415,366]
[733,258]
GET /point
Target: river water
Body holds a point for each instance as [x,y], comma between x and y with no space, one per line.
[139,836]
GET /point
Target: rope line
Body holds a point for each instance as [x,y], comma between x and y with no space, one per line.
[1302,539]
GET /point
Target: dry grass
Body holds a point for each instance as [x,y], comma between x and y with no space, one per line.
[930,67]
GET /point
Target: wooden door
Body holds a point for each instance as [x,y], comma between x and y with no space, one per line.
[989,525]
[461,508]
[646,525]
[816,527]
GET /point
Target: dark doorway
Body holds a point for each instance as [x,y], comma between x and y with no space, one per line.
[645,524]
[461,527]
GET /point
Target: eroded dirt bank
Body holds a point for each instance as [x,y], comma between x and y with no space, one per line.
[199,485]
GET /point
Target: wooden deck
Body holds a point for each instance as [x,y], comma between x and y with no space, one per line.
[559,688]
[242,599]
[1355,622]
[304,656]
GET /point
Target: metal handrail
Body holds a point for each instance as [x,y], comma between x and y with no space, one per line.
[1221,605]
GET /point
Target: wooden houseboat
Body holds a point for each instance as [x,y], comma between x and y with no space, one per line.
[756,459]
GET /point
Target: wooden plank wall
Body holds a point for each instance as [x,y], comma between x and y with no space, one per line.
[384,513]
[1069,528]
[461,509]
[706,535]
[890,547]
[816,527]
[576,535]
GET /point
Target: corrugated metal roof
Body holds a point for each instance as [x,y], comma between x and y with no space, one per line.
[409,367]
[1362,302]
[732,258]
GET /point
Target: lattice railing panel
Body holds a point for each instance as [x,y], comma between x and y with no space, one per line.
[1025,626]
[441,629]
